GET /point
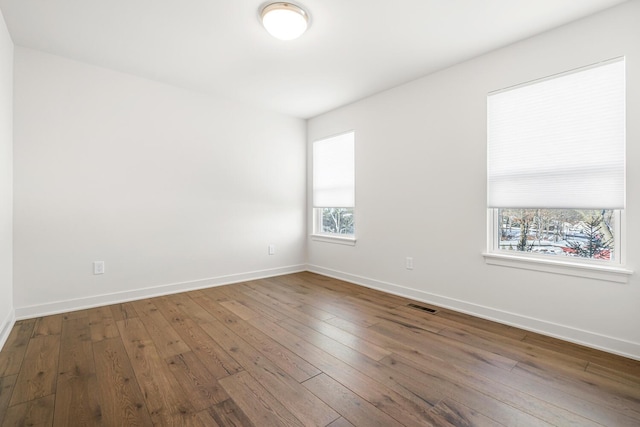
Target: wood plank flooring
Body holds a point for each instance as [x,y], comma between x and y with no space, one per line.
[302,350]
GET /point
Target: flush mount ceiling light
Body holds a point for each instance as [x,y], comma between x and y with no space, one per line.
[284,21]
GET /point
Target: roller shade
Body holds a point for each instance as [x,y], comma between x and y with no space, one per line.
[334,172]
[559,142]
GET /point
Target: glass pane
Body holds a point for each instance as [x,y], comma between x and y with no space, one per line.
[337,220]
[558,232]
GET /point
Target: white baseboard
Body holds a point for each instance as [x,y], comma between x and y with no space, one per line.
[6,326]
[57,307]
[566,333]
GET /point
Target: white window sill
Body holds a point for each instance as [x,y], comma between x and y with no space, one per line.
[334,238]
[608,273]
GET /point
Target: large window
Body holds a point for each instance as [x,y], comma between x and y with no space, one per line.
[334,186]
[556,166]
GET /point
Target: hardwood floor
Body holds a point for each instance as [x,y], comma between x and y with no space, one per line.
[302,349]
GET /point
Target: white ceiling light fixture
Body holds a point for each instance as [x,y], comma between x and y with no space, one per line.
[284,21]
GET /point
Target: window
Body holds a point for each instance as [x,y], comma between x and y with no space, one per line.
[576,233]
[334,187]
[556,166]
[335,220]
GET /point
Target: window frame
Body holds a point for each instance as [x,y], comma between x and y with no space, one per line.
[343,239]
[612,271]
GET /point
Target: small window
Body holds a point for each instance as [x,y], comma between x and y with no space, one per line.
[556,166]
[335,221]
[334,186]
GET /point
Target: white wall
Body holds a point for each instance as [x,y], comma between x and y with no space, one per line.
[421,157]
[168,187]
[6,182]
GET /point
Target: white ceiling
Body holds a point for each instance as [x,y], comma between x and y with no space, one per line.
[353,49]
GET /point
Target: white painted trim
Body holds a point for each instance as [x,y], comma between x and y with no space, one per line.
[6,326]
[578,336]
[57,307]
[566,333]
[609,273]
[334,238]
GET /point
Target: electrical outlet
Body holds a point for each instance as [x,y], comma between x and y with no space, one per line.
[98,267]
[272,249]
[409,263]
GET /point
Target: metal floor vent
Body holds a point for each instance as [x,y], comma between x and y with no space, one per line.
[423,308]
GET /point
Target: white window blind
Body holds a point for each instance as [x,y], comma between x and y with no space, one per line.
[559,142]
[334,172]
